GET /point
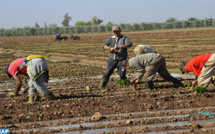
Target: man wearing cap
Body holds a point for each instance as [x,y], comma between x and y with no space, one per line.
[36,69]
[117,46]
[203,66]
[142,49]
[146,66]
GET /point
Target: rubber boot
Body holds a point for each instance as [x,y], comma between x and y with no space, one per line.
[33,97]
[49,96]
[149,85]
[103,84]
[177,83]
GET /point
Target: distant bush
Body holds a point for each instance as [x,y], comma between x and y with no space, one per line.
[61,30]
[108,28]
[213,22]
[197,23]
[78,29]
[7,32]
[2,31]
[50,31]
[71,29]
[136,27]
[178,24]
[122,26]
[147,26]
[168,25]
[128,27]
[55,30]
[157,25]
[87,29]
[101,29]
[39,31]
[15,32]
[207,22]
[45,30]
[66,29]
[187,24]
[94,29]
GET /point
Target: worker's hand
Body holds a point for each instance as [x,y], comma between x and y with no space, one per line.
[23,92]
[111,49]
[135,86]
[134,81]
[191,89]
[116,48]
[193,85]
[194,82]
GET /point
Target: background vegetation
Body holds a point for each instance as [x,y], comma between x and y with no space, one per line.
[94,26]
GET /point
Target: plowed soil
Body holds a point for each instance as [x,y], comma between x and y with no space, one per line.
[76,66]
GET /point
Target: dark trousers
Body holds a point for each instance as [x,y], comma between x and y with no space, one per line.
[111,65]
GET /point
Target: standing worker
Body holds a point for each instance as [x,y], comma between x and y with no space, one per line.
[146,66]
[203,66]
[117,46]
[143,49]
[34,67]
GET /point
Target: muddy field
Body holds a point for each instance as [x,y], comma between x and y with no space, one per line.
[77,65]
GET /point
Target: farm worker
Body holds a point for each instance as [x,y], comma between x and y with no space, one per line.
[142,49]
[58,36]
[203,66]
[146,66]
[34,67]
[117,46]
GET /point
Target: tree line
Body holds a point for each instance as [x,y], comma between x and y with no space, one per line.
[94,26]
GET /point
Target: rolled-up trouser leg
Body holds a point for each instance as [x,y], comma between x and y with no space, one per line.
[40,85]
[111,65]
[121,70]
[31,90]
[34,67]
[207,72]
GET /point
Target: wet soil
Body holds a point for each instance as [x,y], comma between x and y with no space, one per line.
[119,107]
[75,65]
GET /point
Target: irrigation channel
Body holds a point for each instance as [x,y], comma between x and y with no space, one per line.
[178,115]
[110,110]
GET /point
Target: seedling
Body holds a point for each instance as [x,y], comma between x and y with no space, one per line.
[188,84]
[123,82]
[199,90]
[10,95]
[88,89]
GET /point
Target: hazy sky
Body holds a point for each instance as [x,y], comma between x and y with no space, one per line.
[21,13]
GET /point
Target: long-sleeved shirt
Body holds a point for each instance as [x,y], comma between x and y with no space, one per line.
[141,61]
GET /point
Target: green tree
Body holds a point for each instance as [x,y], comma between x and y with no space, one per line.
[171,20]
[110,23]
[191,19]
[83,23]
[53,25]
[36,25]
[66,20]
[96,21]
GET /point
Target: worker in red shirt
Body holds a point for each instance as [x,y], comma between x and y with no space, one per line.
[203,66]
[36,69]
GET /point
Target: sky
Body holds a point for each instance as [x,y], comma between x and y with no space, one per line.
[22,13]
